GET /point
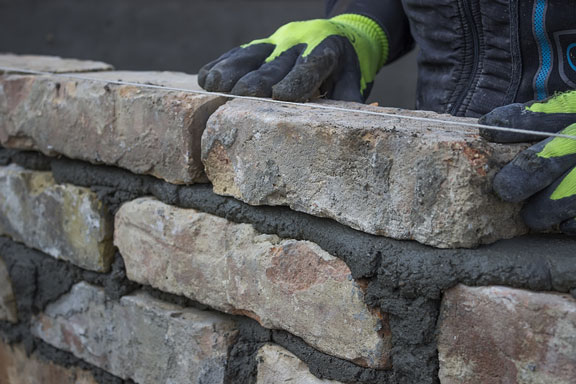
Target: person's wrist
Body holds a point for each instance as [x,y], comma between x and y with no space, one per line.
[374,34]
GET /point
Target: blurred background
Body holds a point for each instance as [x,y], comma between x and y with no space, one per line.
[171,35]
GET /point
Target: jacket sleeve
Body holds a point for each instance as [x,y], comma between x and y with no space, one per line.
[388,13]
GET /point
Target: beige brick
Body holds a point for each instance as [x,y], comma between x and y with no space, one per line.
[387,176]
[8,311]
[491,335]
[147,131]
[277,365]
[286,284]
[64,221]
[139,337]
[51,64]
[18,368]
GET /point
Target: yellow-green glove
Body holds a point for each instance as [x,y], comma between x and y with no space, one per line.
[550,115]
[545,174]
[337,57]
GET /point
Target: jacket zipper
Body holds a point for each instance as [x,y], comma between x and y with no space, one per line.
[476,53]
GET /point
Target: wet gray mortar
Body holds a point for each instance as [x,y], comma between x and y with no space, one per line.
[405,279]
[38,280]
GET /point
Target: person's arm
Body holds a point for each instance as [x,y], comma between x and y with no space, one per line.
[389,14]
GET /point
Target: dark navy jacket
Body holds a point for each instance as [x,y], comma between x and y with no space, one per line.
[476,55]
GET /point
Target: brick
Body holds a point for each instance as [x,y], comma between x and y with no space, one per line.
[139,338]
[387,176]
[64,221]
[8,311]
[283,284]
[18,368]
[147,131]
[492,335]
[277,365]
[52,64]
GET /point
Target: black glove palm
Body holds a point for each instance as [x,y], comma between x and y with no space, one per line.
[545,174]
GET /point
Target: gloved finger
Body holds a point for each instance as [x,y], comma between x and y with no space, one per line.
[305,79]
[259,83]
[207,67]
[223,75]
[345,84]
[536,168]
[517,116]
[554,205]
[569,227]
[347,87]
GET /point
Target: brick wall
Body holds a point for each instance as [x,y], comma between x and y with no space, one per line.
[157,236]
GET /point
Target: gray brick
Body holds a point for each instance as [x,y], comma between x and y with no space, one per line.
[139,337]
[393,177]
[64,221]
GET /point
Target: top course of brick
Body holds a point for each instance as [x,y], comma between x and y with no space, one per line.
[147,131]
[51,64]
[388,176]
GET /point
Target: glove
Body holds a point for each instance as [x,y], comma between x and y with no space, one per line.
[544,174]
[550,115]
[338,57]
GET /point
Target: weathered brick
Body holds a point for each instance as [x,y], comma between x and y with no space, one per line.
[139,337]
[286,284]
[147,131]
[8,311]
[51,64]
[387,176]
[64,221]
[18,368]
[492,335]
[277,365]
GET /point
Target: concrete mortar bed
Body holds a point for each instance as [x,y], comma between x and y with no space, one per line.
[404,279]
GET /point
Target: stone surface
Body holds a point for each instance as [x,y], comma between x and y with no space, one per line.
[277,365]
[18,368]
[52,64]
[399,178]
[283,284]
[492,335]
[8,311]
[64,221]
[147,131]
[158,78]
[139,337]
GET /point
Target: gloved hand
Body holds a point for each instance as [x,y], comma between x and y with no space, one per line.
[544,174]
[338,57]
